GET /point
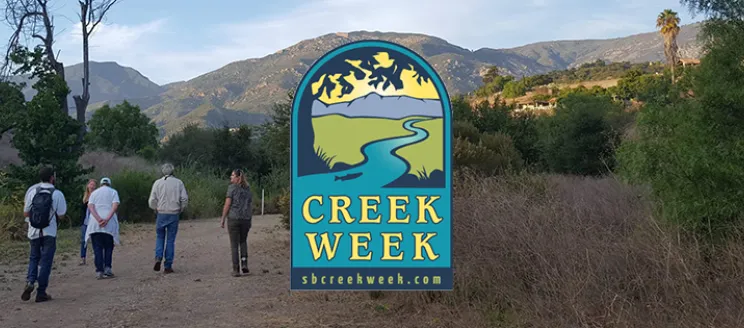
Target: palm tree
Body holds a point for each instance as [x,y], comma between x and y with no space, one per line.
[668,25]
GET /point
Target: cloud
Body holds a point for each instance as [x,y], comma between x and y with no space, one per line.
[169,50]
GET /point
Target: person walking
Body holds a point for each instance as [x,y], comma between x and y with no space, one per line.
[86,213]
[103,230]
[238,212]
[43,205]
[168,198]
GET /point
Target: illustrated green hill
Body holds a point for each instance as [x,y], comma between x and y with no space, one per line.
[340,139]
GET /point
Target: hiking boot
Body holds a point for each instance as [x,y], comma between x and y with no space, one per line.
[157,266]
[168,270]
[43,297]
[27,292]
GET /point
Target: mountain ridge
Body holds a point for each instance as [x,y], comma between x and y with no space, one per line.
[253,85]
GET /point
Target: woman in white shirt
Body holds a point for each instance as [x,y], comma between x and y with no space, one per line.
[103,229]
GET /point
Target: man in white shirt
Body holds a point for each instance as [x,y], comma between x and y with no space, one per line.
[169,199]
[43,242]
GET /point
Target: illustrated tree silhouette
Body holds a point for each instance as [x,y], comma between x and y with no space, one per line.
[385,76]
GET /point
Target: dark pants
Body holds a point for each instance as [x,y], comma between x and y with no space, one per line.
[166,229]
[83,246]
[103,248]
[238,231]
[40,262]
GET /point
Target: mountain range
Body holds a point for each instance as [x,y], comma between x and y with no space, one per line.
[375,105]
[244,91]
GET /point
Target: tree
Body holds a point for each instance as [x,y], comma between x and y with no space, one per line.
[92,13]
[32,19]
[12,103]
[717,9]
[668,24]
[122,129]
[690,152]
[44,135]
[491,73]
[580,137]
[514,89]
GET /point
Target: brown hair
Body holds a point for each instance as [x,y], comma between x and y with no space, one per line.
[240,174]
[86,192]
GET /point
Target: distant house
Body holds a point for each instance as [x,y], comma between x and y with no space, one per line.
[528,104]
[689,62]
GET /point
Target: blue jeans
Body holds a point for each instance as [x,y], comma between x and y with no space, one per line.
[40,261]
[166,227]
[83,246]
[103,248]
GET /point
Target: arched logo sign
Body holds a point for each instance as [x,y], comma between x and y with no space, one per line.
[371,190]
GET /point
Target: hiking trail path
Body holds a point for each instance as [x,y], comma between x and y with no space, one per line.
[200,293]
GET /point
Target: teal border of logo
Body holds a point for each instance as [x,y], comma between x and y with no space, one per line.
[447,123]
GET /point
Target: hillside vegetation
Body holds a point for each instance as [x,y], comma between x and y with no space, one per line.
[244,92]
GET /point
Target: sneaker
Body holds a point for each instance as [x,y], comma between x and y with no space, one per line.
[236,273]
[99,275]
[82,261]
[157,266]
[168,270]
[108,273]
[43,297]
[246,271]
[27,292]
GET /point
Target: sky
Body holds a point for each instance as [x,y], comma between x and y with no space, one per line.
[176,40]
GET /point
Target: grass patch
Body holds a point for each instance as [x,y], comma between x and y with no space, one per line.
[342,138]
[323,156]
[15,251]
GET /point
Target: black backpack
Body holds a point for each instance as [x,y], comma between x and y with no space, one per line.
[41,207]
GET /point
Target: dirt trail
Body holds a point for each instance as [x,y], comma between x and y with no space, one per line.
[201,292]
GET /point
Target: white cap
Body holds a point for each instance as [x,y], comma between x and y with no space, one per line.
[105,180]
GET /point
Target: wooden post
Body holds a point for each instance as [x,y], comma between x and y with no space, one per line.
[262,202]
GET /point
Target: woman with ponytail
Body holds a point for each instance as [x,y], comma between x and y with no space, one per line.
[238,212]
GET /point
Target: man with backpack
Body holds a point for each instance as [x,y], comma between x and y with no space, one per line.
[43,204]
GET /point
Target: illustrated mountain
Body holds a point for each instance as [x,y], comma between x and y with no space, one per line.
[244,91]
[375,105]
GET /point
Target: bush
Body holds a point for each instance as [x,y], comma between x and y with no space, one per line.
[12,224]
[465,130]
[580,138]
[206,193]
[134,191]
[481,159]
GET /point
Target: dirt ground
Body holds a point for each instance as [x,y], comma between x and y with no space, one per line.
[201,292]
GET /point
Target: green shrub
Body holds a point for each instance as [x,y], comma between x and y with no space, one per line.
[206,193]
[465,130]
[134,191]
[481,159]
[579,138]
[503,148]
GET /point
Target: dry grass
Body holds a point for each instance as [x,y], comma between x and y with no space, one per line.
[555,251]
